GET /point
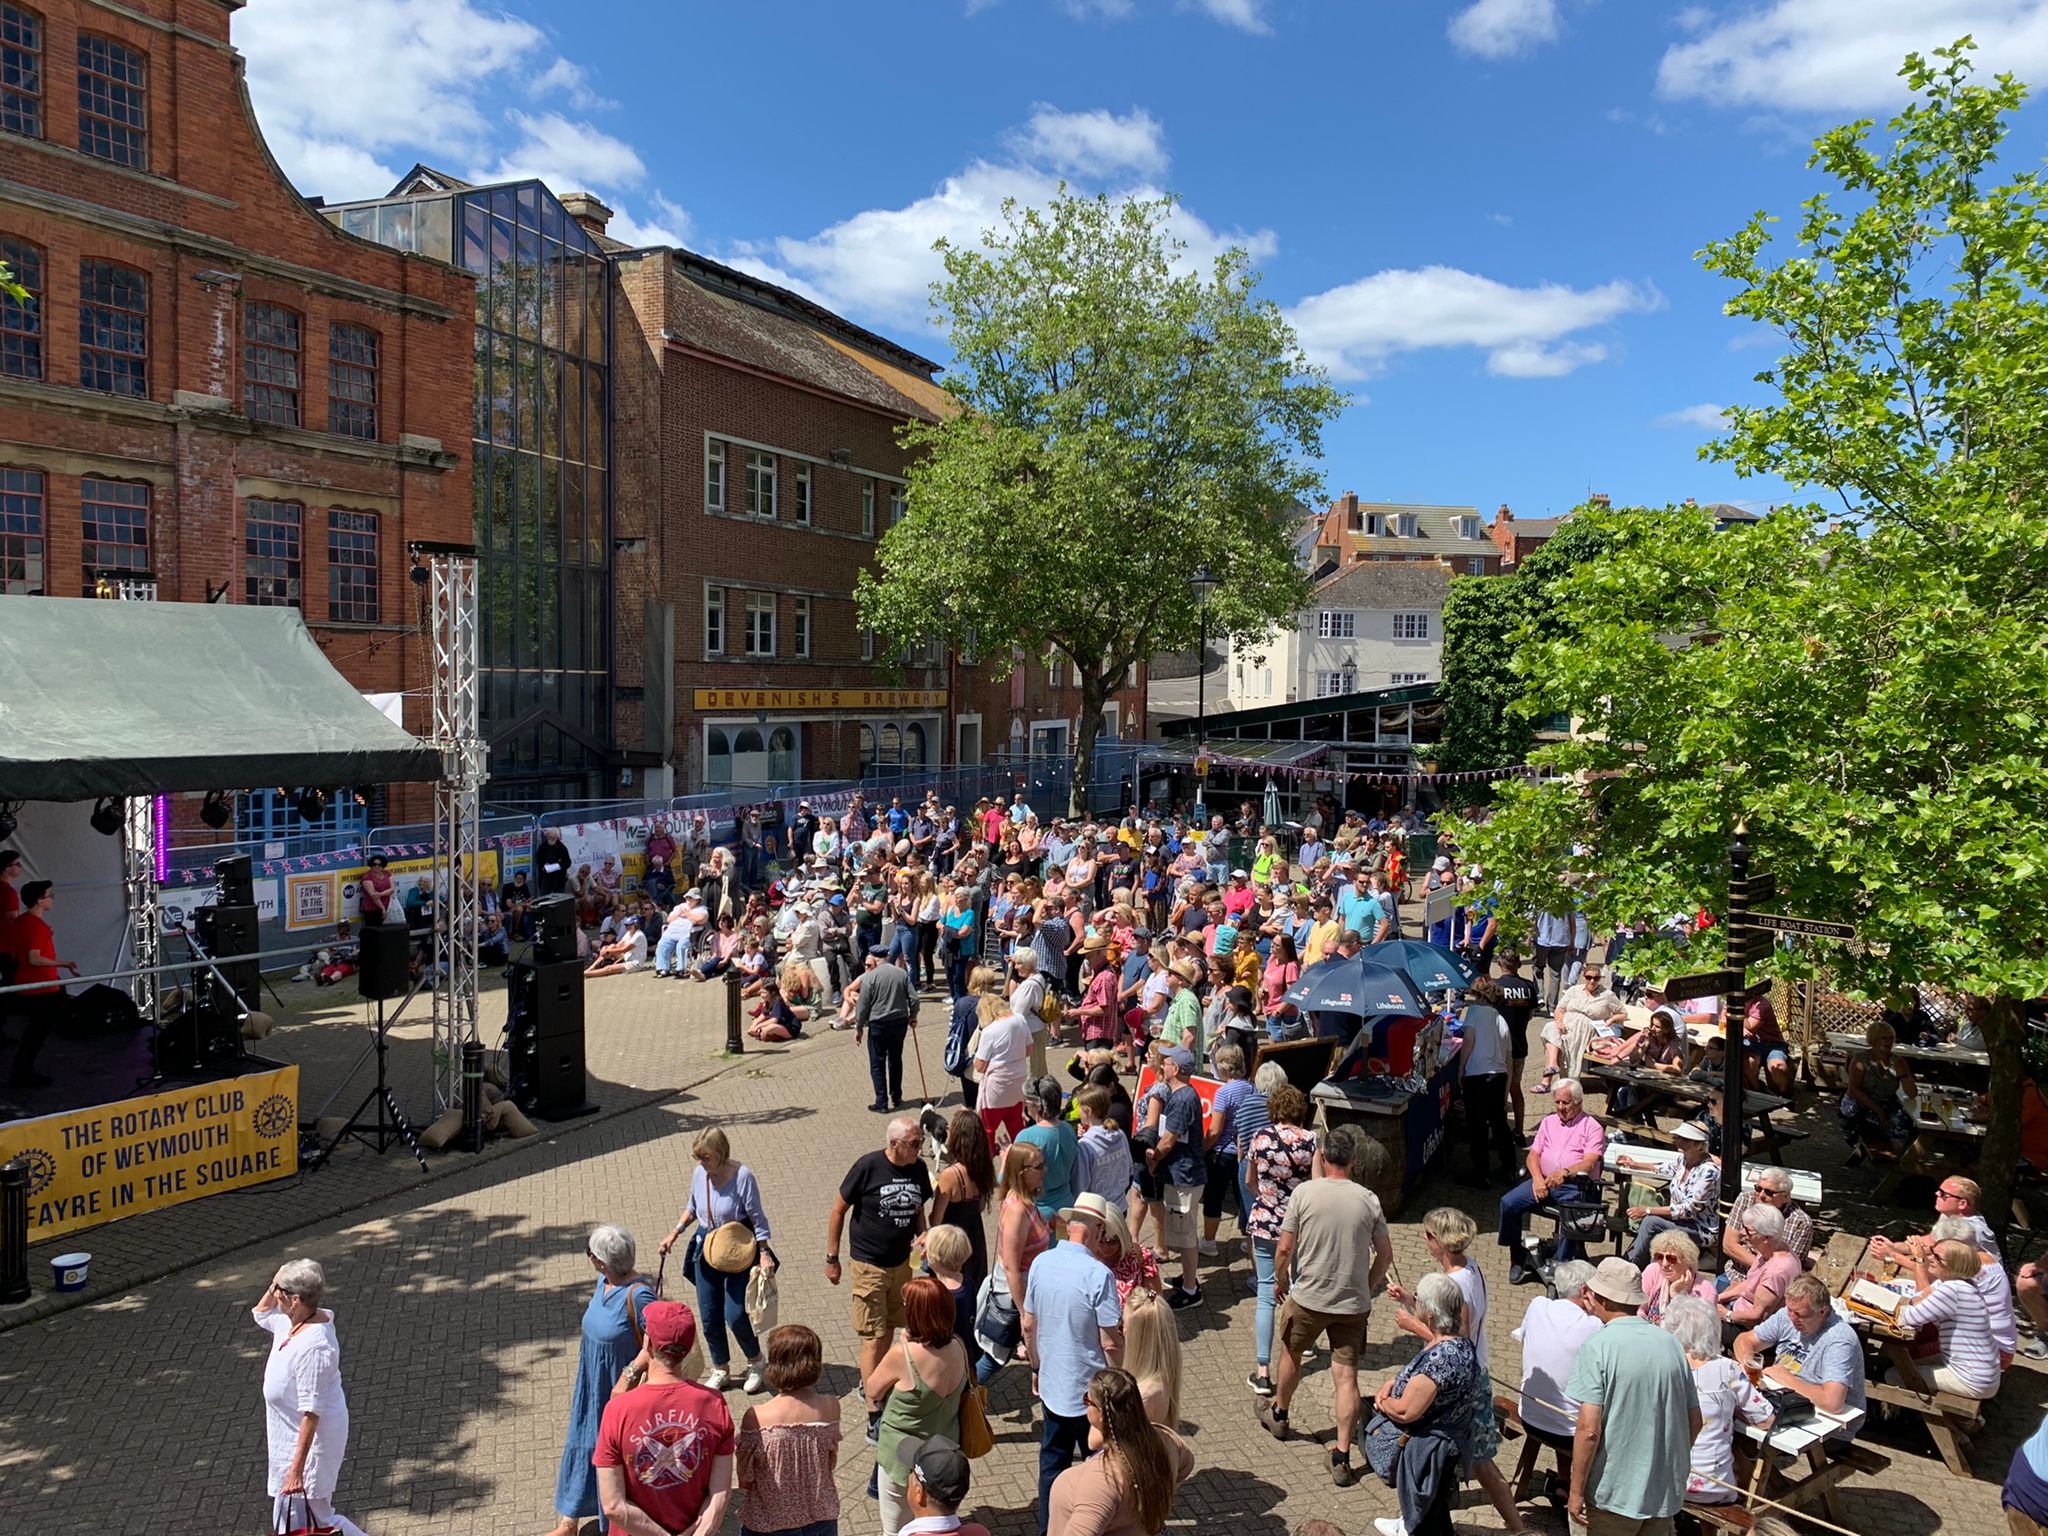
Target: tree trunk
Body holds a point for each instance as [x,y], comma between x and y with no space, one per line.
[2005,1030]
[1094,694]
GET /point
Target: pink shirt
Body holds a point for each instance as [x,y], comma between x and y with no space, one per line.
[1558,1145]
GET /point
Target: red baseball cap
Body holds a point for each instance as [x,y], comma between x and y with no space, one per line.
[671,1326]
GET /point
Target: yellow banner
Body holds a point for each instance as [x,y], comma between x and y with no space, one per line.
[96,1165]
[819,698]
[325,897]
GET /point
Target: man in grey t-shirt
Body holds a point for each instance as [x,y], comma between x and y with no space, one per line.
[1332,1259]
[1819,1355]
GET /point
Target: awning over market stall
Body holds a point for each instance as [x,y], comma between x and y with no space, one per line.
[103,697]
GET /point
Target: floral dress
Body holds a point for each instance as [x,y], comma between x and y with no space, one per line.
[1282,1156]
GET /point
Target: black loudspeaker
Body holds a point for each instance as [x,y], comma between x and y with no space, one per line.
[226,930]
[237,880]
[105,1010]
[554,929]
[544,1032]
[383,961]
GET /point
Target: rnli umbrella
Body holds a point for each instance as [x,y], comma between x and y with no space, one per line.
[1430,966]
[1355,987]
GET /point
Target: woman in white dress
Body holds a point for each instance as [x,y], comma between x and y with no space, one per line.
[306,1415]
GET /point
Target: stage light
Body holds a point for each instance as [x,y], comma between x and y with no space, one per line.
[418,573]
[10,810]
[106,816]
[311,804]
[214,809]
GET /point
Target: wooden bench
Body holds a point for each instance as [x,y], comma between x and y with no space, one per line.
[1951,1420]
[1827,1474]
[1533,1446]
[1731,1518]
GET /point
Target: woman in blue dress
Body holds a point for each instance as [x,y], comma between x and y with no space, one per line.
[611,1340]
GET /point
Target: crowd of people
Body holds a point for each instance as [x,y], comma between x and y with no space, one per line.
[1013,1230]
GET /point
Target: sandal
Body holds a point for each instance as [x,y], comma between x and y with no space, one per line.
[1544,1086]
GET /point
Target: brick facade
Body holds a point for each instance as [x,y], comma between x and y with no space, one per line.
[211,227]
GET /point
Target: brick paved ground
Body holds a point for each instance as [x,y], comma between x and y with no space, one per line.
[458,1303]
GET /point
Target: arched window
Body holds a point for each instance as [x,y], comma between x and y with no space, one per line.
[748,740]
[891,753]
[782,761]
[867,749]
[717,758]
[913,746]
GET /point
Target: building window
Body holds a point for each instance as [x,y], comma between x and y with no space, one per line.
[899,505]
[784,762]
[1476,566]
[21,532]
[1052,670]
[1402,679]
[352,381]
[1407,525]
[867,645]
[714,475]
[21,72]
[1336,624]
[1411,626]
[1374,523]
[21,320]
[272,816]
[717,757]
[761,485]
[354,595]
[111,120]
[800,627]
[867,508]
[272,574]
[1468,528]
[760,623]
[115,516]
[270,364]
[914,745]
[1330,684]
[803,493]
[970,647]
[714,621]
[113,328]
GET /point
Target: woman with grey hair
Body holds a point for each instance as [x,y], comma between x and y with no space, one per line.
[1236,1114]
[612,1339]
[305,1413]
[1725,1392]
[1427,1409]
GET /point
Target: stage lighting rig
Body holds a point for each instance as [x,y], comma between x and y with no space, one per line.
[311,804]
[106,816]
[10,811]
[215,810]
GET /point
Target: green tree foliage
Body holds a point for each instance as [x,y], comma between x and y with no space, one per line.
[1486,618]
[1869,694]
[1124,417]
[10,287]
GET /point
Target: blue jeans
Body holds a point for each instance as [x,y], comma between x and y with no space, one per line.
[903,950]
[722,1304]
[1062,1442]
[1515,1207]
[670,954]
[1262,1329]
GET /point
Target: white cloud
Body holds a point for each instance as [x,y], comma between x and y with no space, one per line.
[1500,29]
[670,224]
[1504,220]
[569,156]
[1841,55]
[568,81]
[1246,15]
[1097,143]
[880,263]
[339,88]
[1356,329]
[1707,417]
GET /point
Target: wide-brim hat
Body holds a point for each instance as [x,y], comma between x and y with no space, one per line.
[1096,1207]
[1618,1281]
[1187,971]
[1094,944]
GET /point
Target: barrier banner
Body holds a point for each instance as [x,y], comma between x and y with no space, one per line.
[309,910]
[89,1166]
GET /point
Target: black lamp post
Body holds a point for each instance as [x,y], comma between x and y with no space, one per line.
[1202,583]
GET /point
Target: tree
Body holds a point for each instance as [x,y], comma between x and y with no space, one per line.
[1123,418]
[10,287]
[1868,694]
[1485,619]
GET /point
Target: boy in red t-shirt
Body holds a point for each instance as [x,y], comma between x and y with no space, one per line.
[664,1450]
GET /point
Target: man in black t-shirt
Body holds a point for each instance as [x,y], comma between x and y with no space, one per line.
[886,1191]
[1518,996]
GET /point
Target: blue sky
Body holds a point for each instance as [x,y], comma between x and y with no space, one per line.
[1482,216]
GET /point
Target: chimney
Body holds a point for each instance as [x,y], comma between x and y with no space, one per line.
[1599,499]
[587,211]
[1504,515]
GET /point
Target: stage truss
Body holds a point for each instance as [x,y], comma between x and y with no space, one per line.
[452,634]
[140,836]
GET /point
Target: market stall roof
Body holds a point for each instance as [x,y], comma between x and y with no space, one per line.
[102,697]
[1242,754]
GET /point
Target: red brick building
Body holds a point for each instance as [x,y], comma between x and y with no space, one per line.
[209,383]
[1392,532]
[1516,537]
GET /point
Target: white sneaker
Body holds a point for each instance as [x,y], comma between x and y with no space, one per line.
[1390,1526]
[720,1380]
[1208,1248]
[755,1382]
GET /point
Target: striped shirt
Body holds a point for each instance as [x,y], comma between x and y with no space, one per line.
[1957,1311]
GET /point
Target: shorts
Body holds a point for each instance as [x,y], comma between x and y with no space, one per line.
[1767,1051]
[878,1299]
[1183,1204]
[1301,1326]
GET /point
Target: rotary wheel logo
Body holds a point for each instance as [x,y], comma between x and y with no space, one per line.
[273,1117]
[42,1169]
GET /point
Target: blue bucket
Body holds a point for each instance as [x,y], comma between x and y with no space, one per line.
[67,1271]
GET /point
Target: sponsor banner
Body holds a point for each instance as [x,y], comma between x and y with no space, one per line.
[175,907]
[89,1166]
[403,873]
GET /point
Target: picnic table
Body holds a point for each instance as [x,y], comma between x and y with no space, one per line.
[1807,1442]
[1806,1187]
[1951,1418]
[1935,1055]
[1656,1090]
[1945,1144]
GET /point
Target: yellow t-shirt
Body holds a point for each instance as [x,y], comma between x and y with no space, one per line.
[1322,940]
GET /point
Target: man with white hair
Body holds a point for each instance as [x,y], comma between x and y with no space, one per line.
[1772,1187]
[886,1193]
[1568,1147]
[1551,1334]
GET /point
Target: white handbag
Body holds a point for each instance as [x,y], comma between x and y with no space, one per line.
[761,1300]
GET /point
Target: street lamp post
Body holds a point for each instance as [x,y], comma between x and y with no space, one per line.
[1202,583]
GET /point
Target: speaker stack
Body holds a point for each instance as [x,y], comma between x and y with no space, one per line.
[231,930]
[544,1019]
